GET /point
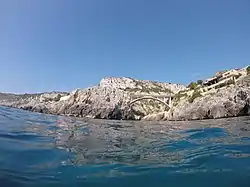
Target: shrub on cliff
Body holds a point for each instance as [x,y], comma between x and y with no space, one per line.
[192,85]
[179,95]
[248,70]
[195,95]
[199,82]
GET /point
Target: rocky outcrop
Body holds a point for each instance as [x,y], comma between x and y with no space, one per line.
[109,100]
[51,97]
[142,86]
[229,101]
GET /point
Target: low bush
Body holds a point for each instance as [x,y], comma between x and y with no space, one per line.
[179,95]
[192,85]
[199,82]
[248,70]
[195,95]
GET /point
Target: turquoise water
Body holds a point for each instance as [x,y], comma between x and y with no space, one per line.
[45,150]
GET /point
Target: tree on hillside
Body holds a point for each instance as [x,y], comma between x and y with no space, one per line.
[248,70]
[192,85]
[199,82]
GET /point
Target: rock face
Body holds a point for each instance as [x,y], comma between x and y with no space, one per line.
[109,100]
[129,83]
[230,102]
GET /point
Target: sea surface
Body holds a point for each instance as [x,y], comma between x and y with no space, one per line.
[46,150]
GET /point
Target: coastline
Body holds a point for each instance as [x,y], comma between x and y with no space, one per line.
[111,99]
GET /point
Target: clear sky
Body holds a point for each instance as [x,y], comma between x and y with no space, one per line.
[48,45]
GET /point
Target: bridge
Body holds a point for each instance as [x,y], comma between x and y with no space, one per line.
[164,99]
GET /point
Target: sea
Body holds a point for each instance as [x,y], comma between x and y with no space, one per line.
[43,150]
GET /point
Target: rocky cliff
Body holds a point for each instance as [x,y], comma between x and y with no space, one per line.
[108,100]
[111,97]
[146,86]
[227,100]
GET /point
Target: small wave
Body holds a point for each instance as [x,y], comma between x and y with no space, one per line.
[46,150]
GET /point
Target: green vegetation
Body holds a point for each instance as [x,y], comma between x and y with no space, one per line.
[199,82]
[195,95]
[138,83]
[148,90]
[141,87]
[192,85]
[248,70]
[178,96]
[158,89]
[132,89]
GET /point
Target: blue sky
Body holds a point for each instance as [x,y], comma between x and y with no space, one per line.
[48,45]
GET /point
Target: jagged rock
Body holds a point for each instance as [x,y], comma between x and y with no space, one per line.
[50,97]
[129,83]
[108,100]
[215,106]
[155,117]
[111,98]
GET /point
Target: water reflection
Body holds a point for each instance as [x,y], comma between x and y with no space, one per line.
[166,144]
[133,143]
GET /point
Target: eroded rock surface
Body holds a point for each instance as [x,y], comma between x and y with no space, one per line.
[230,102]
[111,98]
